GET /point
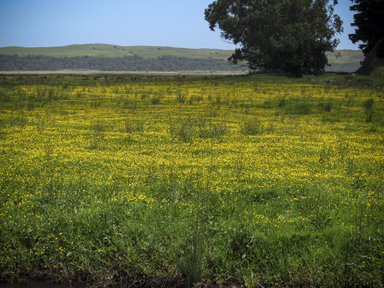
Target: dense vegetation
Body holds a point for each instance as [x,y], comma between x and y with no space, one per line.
[172,181]
[131,63]
[126,63]
[103,56]
[369,23]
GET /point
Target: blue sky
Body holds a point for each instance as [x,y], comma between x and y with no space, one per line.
[175,23]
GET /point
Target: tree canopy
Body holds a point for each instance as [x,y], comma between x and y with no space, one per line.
[369,21]
[289,36]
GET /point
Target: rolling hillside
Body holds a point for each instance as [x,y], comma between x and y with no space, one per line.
[116,51]
[341,60]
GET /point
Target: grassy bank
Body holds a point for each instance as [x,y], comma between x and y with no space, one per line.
[146,181]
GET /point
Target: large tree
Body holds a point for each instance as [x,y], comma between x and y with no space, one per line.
[369,20]
[290,36]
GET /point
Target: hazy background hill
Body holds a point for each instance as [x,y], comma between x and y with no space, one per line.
[107,50]
[106,57]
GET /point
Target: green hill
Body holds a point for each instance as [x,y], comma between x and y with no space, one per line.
[341,60]
[116,51]
[106,50]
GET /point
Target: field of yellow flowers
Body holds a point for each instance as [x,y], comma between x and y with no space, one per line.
[145,181]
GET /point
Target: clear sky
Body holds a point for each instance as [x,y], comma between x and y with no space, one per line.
[175,23]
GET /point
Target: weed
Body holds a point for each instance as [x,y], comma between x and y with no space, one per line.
[368,104]
[327,107]
[251,280]
[196,98]
[155,100]
[192,258]
[182,130]
[207,129]
[181,97]
[251,127]
[133,126]
[98,127]
[130,103]
[302,108]
[369,113]
[281,102]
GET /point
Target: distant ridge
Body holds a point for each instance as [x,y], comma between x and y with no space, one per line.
[341,60]
[107,50]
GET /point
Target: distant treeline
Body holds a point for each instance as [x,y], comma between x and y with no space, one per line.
[127,63]
[130,63]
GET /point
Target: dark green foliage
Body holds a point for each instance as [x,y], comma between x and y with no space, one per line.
[192,259]
[82,56]
[182,130]
[370,113]
[284,36]
[155,100]
[368,104]
[252,127]
[369,23]
[4,97]
[207,129]
[181,97]
[380,50]
[186,130]
[127,63]
[327,107]
[302,108]
[134,126]
[282,102]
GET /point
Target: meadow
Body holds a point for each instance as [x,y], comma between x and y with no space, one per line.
[149,181]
